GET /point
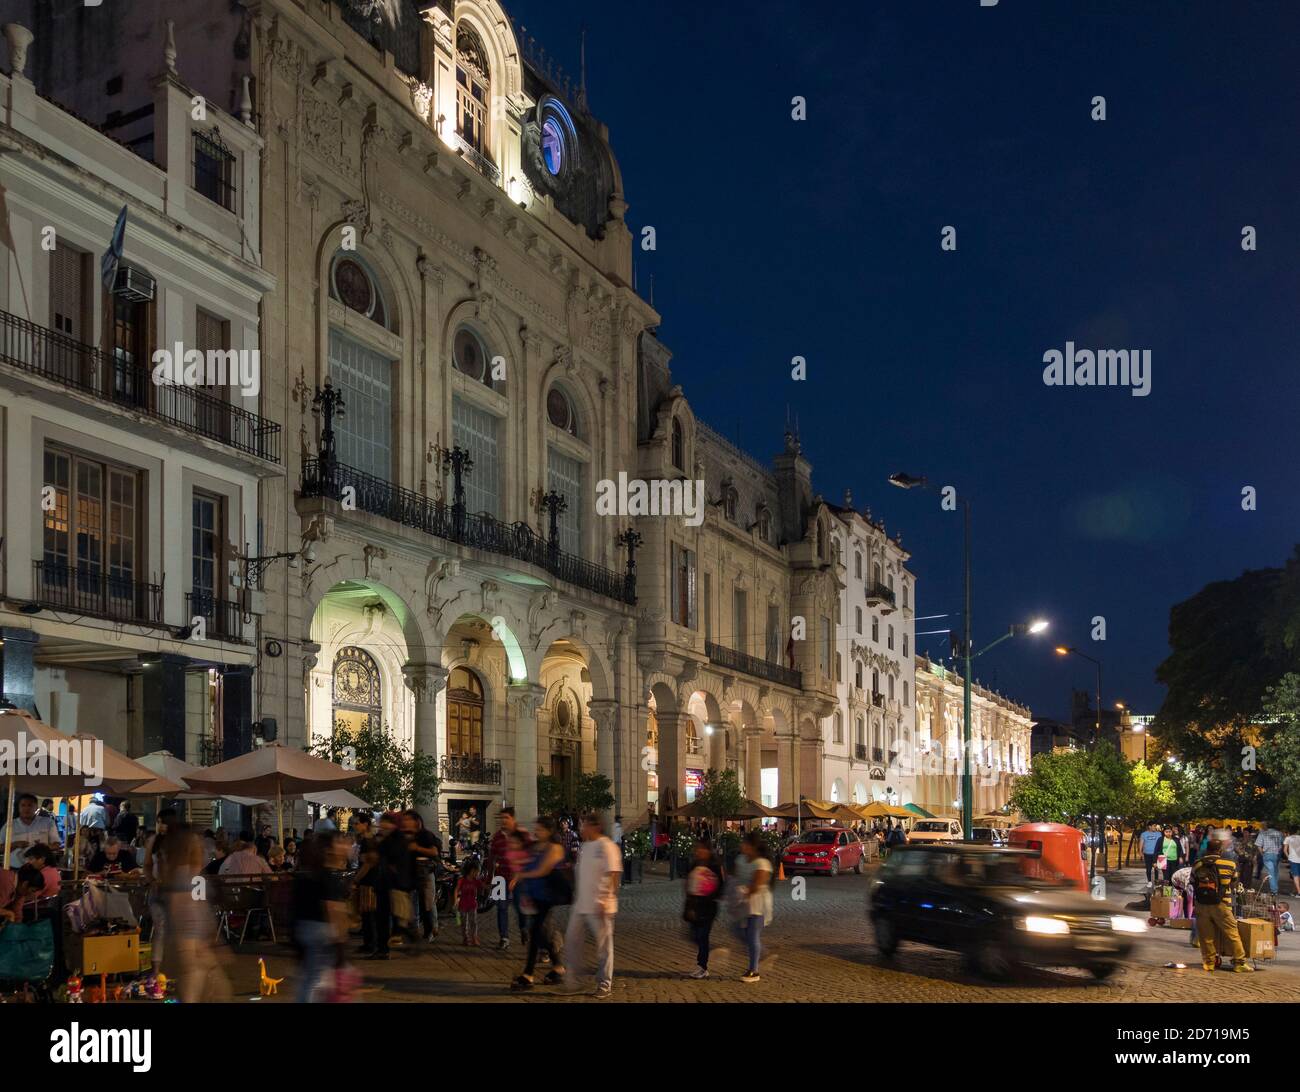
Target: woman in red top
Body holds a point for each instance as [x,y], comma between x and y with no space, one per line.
[467,890]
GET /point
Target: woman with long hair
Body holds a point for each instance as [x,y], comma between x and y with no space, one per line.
[543,887]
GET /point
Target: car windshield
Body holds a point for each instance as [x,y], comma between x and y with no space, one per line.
[817,838]
[998,870]
[982,834]
[931,828]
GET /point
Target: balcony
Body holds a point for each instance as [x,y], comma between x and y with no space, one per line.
[221,615]
[860,752]
[878,699]
[76,366]
[481,162]
[752,665]
[471,769]
[878,594]
[477,530]
[877,754]
[93,592]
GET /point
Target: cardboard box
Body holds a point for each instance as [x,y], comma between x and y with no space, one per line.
[1162,906]
[1181,923]
[116,953]
[1258,937]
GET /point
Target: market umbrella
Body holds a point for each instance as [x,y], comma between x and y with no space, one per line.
[120,775]
[275,770]
[168,767]
[877,809]
[337,798]
[919,811]
[19,730]
[801,809]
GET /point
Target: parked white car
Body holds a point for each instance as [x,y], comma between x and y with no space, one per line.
[935,830]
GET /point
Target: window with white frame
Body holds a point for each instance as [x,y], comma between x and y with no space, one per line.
[478,432]
[364,377]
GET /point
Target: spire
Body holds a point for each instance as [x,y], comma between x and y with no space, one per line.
[582,77]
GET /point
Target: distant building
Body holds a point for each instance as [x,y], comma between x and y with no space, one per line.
[1133,732]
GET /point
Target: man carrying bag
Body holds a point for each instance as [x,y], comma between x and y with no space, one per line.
[1213,878]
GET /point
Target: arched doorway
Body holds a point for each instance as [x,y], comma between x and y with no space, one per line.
[357,692]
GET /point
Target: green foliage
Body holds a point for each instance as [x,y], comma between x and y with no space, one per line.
[729,842]
[1151,796]
[636,843]
[592,793]
[550,795]
[719,795]
[1054,790]
[1279,756]
[683,843]
[396,775]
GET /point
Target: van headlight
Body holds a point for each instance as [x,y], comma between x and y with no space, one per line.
[1044,926]
[1123,923]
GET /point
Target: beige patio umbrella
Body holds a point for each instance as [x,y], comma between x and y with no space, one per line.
[120,776]
[19,731]
[275,770]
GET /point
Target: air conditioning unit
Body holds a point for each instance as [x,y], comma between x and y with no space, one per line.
[134,284]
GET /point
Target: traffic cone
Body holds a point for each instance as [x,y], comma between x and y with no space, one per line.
[780,870]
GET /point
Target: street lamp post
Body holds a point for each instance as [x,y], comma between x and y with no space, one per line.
[1067,650]
[911,481]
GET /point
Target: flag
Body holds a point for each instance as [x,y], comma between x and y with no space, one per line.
[113,255]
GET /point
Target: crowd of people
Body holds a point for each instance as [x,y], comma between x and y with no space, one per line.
[1257,852]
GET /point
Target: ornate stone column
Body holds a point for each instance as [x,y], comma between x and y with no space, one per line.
[753,759]
[606,715]
[670,765]
[787,767]
[524,699]
[426,681]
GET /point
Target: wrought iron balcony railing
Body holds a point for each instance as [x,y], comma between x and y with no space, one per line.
[752,665]
[481,162]
[860,752]
[471,769]
[878,699]
[880,593]
[80,367]
[92,591]
[877,754]
[222,616]
[477,530]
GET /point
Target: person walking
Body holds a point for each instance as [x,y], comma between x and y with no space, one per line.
[319,911]
[466,896]
[754,873]
[1214,877]
[545,887]
[426,853]
[1292,847]
[1269,843]
[503,861]
[703,889]
[595,902]
[1151,842]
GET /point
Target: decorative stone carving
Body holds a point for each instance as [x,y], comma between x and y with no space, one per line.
[425,681]
[489,589]
[525,699]
[20,38]
[373,554]
[421,98]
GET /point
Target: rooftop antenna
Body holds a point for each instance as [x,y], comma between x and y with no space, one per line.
[652,289]
[582,77]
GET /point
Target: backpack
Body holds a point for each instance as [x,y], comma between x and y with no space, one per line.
[1205,882]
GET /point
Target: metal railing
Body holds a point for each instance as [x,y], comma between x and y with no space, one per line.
[223,616]
[477,530]
[880,593]
[752,665]
[877,754]
[860,752]
[481,162]
[96,592]
[878,699]
[81,367]
[471,769]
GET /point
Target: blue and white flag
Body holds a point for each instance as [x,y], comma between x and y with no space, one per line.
[113,255]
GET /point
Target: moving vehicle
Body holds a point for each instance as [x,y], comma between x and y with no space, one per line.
[981,901]
[992,836]
[824,849]
[935,830]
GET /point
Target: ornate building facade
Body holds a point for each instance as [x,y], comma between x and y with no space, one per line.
[1001,734]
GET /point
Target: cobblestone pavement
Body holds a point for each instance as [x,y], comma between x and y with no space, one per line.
[824,952]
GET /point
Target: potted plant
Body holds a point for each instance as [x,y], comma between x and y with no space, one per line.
[729,847]
[636,848]
[683,849]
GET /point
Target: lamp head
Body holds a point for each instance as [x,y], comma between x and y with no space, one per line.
[905,481]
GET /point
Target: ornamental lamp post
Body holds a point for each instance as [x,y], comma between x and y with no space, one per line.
[327,404]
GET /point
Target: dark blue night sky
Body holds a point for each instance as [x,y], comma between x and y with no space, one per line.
[821,239]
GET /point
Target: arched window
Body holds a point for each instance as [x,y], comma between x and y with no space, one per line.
[839,727]
[473,89]
[857,565]
[476,428]
[464,714]
[357,696]
[857,675]
[362,369]
[679,445]
[876,574]
[875,682]
[765,523]
[471,357]
[729,499]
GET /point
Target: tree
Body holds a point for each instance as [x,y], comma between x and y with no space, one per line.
[1279,755]
[592,793]
[1055,789]
[719,796]
[396,775]
[550,795]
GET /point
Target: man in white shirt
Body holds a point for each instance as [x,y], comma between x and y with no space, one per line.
[595,902]
[29,829]
[1292,845]
[244,861]
[93,815]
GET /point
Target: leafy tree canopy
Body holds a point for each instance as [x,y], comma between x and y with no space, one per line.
[396,775]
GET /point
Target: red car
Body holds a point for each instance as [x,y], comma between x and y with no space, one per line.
[824,849]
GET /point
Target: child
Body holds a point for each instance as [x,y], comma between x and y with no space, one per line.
[466,896]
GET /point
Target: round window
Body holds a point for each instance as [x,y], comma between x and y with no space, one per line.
[468,351]
[353,286]
[558,410]
[553,146]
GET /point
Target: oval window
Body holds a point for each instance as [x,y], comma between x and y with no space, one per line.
[559,411]
[353,286]
[552,146]
[469,355]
